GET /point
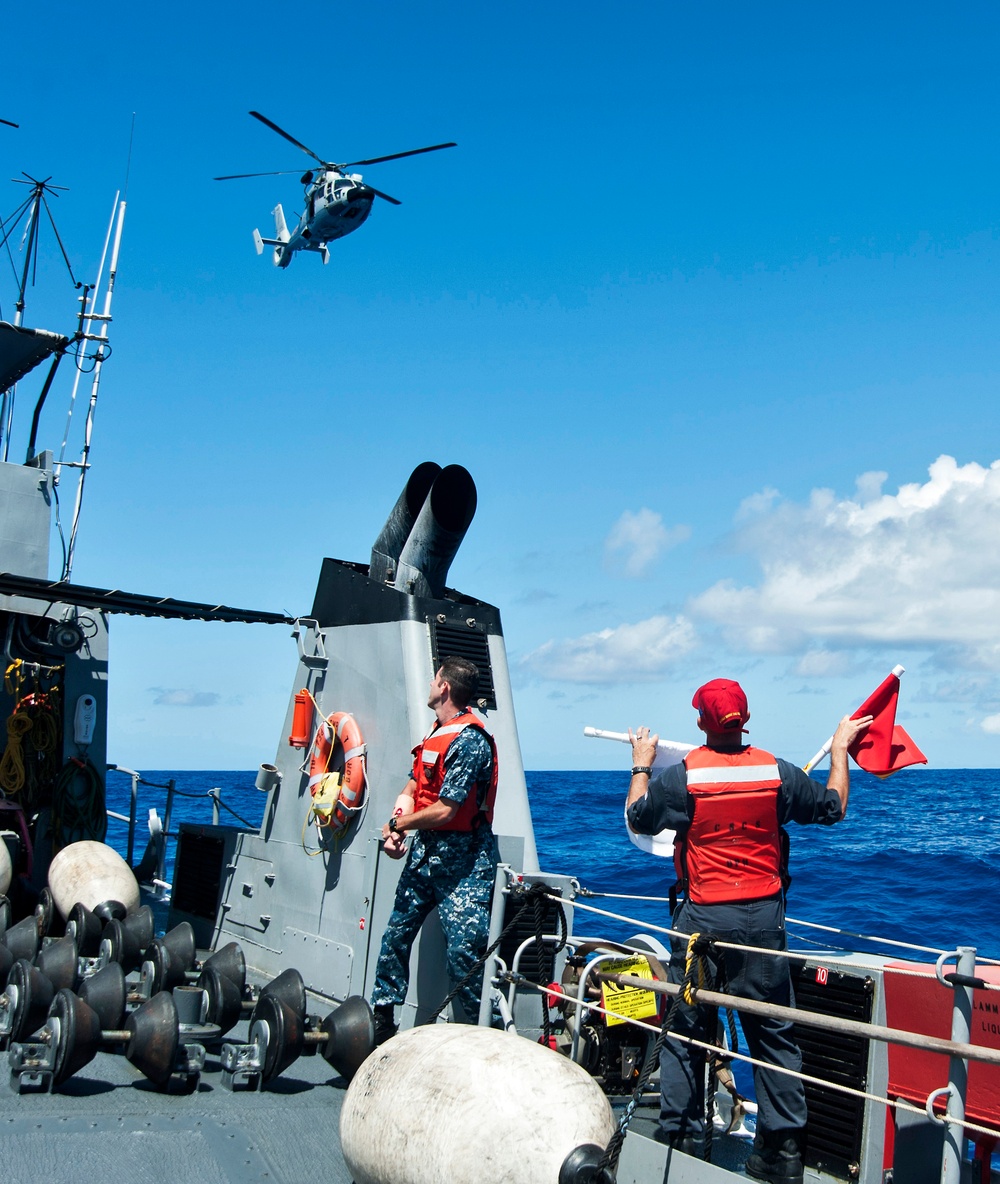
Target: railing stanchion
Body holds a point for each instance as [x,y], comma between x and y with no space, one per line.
[958,1069]
[161,873]
[214,795]
[131,819]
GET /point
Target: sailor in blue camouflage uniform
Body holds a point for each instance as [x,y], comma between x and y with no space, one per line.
[451,864]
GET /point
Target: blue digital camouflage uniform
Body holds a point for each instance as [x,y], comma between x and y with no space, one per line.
[453,870]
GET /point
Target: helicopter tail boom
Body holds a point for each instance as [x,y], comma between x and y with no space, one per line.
[281,257]
[280,229]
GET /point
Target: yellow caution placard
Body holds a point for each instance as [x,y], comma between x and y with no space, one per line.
[629,1003]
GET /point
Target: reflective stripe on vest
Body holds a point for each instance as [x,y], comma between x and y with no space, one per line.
[732,850]
[730,775]
[429,774]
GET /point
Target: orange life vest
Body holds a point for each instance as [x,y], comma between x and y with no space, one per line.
[429,771]
[734,847]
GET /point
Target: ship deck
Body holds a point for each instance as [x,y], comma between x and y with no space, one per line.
[108,1122]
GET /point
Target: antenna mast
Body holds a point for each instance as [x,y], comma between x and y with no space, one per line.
[102,354]
[33,204]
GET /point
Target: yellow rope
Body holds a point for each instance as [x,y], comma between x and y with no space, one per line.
[689,957]
[42,707]
[12,774]
[13,678]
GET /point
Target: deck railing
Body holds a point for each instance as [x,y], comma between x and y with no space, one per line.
[157,874]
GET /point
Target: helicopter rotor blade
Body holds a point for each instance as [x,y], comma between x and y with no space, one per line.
[383,196]
[291,139]
[395,155]
[239,176]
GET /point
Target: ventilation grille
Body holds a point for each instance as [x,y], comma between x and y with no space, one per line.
[835,1128]
[537,964]
[197,875]
[452,640]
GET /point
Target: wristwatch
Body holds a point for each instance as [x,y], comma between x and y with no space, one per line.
[392,825]
[641,769]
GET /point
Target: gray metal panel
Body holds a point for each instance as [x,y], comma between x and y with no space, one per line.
[297,893]
[644,1161]
[25,515]
[84,673]
[513,814]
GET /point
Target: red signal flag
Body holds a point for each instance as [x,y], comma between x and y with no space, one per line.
[884,747]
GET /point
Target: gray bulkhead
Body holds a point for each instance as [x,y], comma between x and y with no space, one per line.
[293,896]
[30,631]
[25,516]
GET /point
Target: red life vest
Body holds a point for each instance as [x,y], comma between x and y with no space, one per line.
[734,847]
[428,773]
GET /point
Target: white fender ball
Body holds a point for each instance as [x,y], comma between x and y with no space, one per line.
[466,1105]
[90,873]
[6,868]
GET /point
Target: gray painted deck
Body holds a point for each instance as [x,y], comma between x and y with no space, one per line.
[109,1123]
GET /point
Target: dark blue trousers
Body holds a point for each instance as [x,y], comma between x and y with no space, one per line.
[456,875]
[781,1099]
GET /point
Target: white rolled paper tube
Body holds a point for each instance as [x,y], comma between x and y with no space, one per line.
[668,752]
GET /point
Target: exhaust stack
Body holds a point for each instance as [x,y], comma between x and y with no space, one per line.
[437,534]
[389,544]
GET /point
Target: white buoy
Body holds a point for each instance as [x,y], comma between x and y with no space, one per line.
[6,868]
[450,1102]
[90,873]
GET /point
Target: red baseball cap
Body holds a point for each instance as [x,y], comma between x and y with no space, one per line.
[722,705]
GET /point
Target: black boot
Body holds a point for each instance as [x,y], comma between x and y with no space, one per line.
[777,1157]
[385,1023]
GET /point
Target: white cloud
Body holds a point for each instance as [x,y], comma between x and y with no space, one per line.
[823,664]
[991,724]
[637,652]
[178,697]
[757,503]
[637,540]
[918,568]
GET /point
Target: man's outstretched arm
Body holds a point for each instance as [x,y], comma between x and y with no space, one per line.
[839,780]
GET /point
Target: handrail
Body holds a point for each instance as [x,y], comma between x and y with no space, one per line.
[959,1048]
[213,795]
[732,1054]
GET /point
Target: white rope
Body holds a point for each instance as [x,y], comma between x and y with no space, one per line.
[728,1054]
[591,908]
[624,896]
[884,941]
[852,963]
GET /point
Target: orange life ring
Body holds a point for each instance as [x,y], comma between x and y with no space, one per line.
[340,728]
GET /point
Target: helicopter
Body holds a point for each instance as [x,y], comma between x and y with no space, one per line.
[337,202]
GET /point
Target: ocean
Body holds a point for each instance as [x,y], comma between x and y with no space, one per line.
[916,860]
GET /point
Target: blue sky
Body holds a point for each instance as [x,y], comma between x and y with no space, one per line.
[702,298]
